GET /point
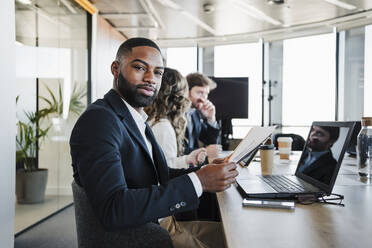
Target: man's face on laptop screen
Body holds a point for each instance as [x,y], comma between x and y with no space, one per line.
[322,139]
[323,149]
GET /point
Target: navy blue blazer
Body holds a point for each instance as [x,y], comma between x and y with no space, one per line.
[111,162]
[321,169]
[202,131]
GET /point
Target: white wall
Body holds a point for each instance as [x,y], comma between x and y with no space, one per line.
[8,123]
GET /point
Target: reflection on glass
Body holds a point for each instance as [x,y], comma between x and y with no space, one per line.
[322,151]
[51,74]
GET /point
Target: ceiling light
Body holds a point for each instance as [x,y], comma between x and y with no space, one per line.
[275,1]
[27,2]
[208,8]
[341,4]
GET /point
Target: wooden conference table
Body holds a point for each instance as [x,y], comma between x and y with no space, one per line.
[315,225]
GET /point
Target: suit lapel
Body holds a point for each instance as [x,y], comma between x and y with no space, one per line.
[122,111]
[318,163]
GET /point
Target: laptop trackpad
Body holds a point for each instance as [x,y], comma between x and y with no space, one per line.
[254,185]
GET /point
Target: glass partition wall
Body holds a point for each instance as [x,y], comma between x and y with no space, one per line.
[51,71]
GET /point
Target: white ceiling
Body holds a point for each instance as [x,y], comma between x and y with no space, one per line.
[178,22]
[206,22]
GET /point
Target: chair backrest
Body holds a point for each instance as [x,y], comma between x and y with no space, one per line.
[297,144]
[90,232]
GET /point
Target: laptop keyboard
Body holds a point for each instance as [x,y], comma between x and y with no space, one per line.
[282,184]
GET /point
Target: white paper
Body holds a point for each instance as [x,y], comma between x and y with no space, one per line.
[253,139]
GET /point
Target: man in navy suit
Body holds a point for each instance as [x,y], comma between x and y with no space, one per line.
[317,160]
[201,118]
[116,158]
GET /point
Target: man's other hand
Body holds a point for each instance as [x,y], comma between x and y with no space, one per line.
[217,177]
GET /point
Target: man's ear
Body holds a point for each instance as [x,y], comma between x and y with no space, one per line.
[115,68]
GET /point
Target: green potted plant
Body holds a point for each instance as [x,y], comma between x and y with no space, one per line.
[30,179]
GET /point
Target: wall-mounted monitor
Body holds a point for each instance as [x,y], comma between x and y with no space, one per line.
[230,97]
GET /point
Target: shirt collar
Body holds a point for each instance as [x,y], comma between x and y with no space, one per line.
[138,117]
[190,111]
[318,154]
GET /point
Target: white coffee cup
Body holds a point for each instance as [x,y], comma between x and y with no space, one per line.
[284,146]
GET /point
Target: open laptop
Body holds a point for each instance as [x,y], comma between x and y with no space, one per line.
[316,171]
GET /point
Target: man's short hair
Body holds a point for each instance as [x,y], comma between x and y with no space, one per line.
[197,79]
[126,47]
[334,132]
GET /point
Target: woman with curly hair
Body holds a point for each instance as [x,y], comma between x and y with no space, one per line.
[167,120]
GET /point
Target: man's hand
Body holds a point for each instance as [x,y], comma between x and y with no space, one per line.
[217,177]
[208,110]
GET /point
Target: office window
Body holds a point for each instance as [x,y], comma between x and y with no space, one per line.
[368,72]
[351,74]
[309,79]
[242,60]
[183,59]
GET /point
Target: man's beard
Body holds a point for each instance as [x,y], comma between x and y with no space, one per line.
[130,93]
[317,146]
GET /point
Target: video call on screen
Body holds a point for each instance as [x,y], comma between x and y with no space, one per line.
[322,152]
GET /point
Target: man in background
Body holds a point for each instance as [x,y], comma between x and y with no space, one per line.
[202,127]
[201,118]
[317,160]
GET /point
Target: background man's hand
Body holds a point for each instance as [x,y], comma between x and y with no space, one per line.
[208,110]
[217,177]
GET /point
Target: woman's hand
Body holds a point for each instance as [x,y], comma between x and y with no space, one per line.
[197,156]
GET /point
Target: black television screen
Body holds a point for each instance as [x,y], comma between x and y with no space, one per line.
[230,97]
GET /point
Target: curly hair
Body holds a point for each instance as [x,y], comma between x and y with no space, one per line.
[172,103]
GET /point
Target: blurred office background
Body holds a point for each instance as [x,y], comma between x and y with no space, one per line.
[304,62]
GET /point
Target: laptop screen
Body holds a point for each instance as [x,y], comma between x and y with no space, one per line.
[323,152]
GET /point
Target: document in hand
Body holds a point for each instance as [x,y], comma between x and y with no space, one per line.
[254,138]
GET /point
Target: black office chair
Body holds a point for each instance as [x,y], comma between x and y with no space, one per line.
[90,233]
[297,144]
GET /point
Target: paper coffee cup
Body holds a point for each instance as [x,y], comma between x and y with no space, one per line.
[284,147]
[267,159]
[213,152]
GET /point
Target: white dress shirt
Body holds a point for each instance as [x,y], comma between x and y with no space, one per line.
[140,119]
